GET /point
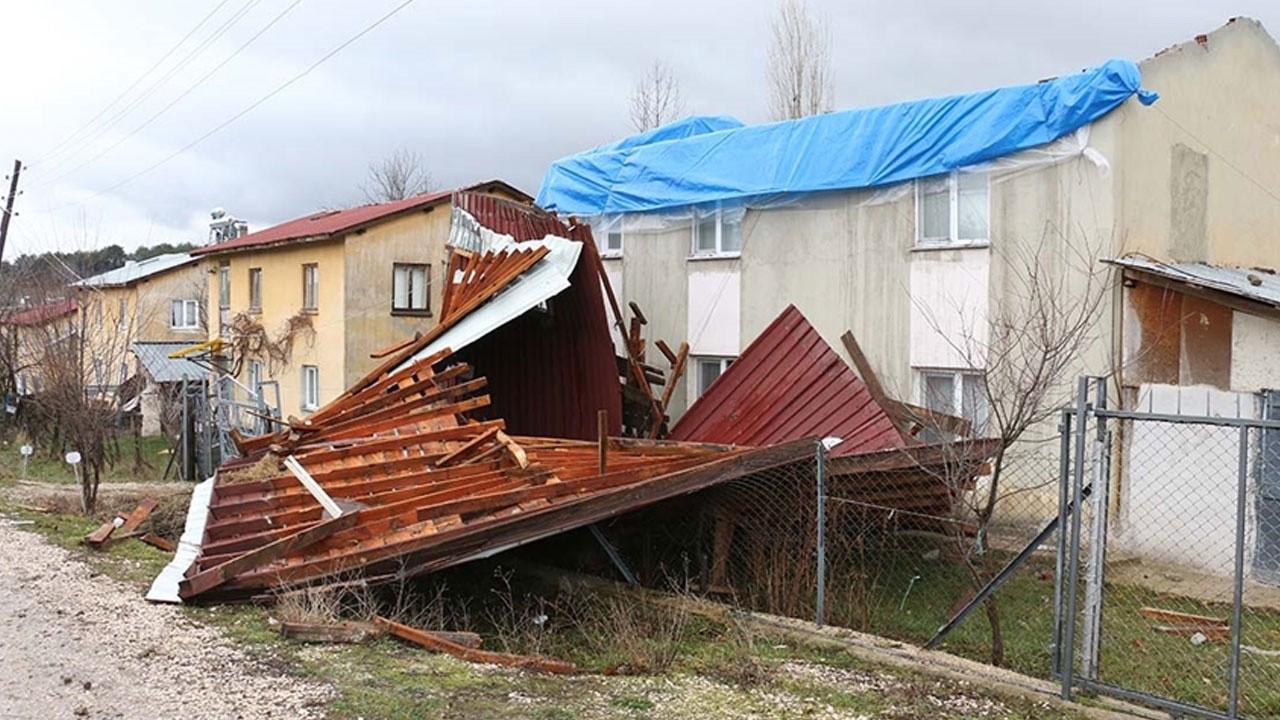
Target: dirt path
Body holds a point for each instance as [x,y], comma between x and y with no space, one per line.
[74,644]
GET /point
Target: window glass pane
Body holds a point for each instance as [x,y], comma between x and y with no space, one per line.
[400,288]
[940,392]
[418,288]
[935,209]
[973,207]
[613,242]
[973,402]
[224,286]
[708,371]
[731,236]
[175,314]
[706,233]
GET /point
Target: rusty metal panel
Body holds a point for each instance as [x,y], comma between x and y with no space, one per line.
[788,384]
[1158,336]
[1206,343]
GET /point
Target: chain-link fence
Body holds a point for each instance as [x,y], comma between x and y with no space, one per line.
[1174,598]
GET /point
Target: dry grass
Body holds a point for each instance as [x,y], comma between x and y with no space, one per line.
[266,468]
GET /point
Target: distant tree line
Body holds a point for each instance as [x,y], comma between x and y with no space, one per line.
[52,271]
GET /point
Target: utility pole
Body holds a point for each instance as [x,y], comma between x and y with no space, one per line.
[8,205]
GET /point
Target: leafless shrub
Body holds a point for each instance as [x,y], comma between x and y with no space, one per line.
[799,70]
[656,98]
[249,339]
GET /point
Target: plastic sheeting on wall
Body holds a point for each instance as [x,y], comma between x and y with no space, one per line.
[851,149]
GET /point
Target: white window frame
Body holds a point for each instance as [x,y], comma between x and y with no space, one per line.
[224,285]
[186,321]
[310,388]
[409,269]
[719,251]
[122,309]
[311,286]
[959,378]
[953,234]
[698,360]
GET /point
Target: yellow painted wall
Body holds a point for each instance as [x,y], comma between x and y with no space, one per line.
[370,256]
[282,299]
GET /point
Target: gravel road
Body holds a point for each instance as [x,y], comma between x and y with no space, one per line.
[78,645]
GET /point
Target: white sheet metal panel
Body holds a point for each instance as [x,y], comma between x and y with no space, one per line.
[548,278]
[949,295]
[164,588]
[1178,495]
[715,308]
[613,269]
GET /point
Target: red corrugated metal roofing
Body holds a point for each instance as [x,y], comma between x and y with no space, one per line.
[789,384]
[41,313]
[521,222]
[329,223]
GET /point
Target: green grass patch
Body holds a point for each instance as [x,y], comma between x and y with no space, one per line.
[47,465]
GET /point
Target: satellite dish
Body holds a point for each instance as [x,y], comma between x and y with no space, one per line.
[218,213]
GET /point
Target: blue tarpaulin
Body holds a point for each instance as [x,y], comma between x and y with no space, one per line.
[705,160]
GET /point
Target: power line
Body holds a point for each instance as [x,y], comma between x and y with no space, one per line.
[1218,155]
[252,106]
[179,98]
[155,86]
[54,150]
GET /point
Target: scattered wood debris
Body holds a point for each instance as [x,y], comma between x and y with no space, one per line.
[351,633]
[158,542]
[436,642]
[127,524]
[1200,628]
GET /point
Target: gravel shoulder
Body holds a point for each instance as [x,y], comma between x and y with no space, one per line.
[75,643]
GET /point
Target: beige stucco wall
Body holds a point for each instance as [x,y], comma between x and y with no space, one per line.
[152,298]
[1203,164]
[369,257]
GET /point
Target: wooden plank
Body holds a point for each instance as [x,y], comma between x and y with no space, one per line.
[138,516]
[677,371]
[602,435]
[342,632]
[1173,616]
[99,536]
[513,448]
[434,642]
[635,310]
[665,349]
[213,577]
[158,542]
[468,447]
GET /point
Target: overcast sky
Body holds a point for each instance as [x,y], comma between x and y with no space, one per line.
[481,90]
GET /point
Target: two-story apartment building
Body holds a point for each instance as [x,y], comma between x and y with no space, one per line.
[915,225]
[907,223]
[129,315]
[334,287]
[32,338]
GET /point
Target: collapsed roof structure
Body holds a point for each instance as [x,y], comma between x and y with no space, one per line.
[500,426]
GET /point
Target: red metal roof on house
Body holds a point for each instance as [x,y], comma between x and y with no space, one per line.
[329,223]
[787,385]
[41,313]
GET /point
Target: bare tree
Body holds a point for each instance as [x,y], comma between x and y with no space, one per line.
[799,69]
[1047,320]
[397,176]
[656,98]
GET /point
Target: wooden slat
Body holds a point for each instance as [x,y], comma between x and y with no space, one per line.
[204,581]
[440,644]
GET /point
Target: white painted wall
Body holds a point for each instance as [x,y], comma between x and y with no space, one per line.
[613,269]
[949,291]
[1177,496]
[715,308]
[1255,353]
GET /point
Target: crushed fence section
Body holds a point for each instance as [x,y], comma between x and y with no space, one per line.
[1170,597]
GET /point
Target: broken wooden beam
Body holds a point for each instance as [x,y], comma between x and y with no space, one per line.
[432,641]
[138,516]
[1173,616]
[99,536]
[158,542]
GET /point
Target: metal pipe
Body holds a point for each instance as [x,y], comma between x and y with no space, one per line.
[185,438]
[1188,419]
[820,602]
[1064,469]
[1237,591]
[1077,487]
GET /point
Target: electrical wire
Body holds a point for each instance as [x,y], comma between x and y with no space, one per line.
[155,86]
[56,148]
[177,99]
[252,106]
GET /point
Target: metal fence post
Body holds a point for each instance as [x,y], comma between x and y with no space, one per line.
[1073,570]
[1091,640]
[1237,596]
[820,602]
[1064,470]
[185,438]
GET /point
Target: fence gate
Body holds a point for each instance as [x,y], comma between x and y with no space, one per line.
[1169,593]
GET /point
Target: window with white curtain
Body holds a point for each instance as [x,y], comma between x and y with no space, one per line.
[953,210]
[716,233]
[411,288]
[184,315]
